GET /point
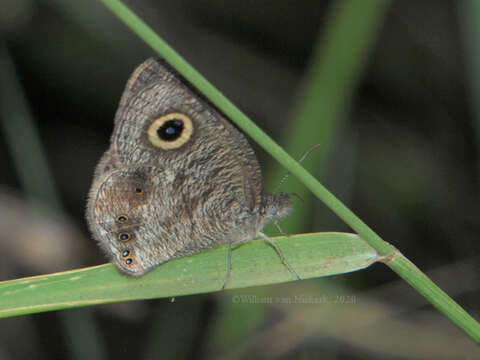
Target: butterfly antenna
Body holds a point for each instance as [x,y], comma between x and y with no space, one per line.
[304,156]
[298,197]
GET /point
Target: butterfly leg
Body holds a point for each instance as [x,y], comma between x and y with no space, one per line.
[229,266]
[277,225]
[280,253]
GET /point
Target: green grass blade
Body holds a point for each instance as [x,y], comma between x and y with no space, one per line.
[30,158]
[22,136]
[436,296]
[254,263]
[337,63]
[469,11]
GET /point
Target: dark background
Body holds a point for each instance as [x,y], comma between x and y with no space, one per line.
[408,132]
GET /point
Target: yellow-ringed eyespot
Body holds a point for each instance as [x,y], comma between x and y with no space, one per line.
[125,254]
[170,131]
[122,218]
[124,236]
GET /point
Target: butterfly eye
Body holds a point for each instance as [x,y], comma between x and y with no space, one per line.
[170,131]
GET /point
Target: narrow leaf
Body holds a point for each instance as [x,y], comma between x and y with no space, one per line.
[254,263]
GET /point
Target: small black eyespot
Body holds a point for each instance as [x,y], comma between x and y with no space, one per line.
[138,190]
[170,130]
[128,261]
[126,253]
[124,236]
[122,218]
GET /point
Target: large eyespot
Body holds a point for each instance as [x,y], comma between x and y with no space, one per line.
[170,131]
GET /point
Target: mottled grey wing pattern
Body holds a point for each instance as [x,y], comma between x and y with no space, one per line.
[149,204]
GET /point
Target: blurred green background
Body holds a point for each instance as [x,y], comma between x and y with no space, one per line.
[394,109]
